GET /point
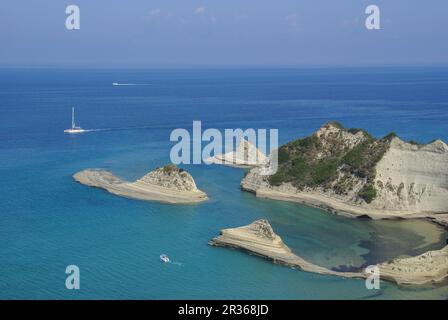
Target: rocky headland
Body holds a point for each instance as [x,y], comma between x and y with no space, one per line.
[347,171]
[168,184]
[258,238]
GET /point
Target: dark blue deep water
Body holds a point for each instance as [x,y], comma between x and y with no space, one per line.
[47,221]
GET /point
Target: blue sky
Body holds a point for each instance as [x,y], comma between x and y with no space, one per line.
[223,32]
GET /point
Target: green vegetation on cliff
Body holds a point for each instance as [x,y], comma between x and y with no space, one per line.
[330,160]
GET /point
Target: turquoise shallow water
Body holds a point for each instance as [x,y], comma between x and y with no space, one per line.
[48,221]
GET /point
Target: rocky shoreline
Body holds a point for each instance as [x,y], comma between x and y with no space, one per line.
[440,219]
[168,184]
[258,238]
[338,207]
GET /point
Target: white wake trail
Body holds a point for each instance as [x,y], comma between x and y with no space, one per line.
[130,84]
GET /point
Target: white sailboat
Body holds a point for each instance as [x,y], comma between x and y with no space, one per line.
[74,128]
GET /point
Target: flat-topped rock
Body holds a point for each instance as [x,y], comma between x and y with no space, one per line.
[168,184]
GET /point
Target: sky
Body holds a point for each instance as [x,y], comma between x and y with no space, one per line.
[223,32]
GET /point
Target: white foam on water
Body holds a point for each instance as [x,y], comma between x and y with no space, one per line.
[130,84]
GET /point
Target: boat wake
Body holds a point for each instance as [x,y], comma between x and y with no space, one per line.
[130,84]
[93,130]
[166,259]
[126,128]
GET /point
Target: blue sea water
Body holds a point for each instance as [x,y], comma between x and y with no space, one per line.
[48,221]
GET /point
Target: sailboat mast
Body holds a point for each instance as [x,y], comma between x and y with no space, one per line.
[73,117]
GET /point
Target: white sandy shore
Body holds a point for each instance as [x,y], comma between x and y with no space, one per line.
[137,190]
[258,238]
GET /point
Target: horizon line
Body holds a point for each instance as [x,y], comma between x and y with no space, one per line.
[218,66]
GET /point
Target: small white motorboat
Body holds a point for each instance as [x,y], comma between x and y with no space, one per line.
[164,258]
[74,128]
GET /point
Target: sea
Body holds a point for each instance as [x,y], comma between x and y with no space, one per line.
[49,222]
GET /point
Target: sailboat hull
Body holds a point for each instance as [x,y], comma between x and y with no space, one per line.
[74,131]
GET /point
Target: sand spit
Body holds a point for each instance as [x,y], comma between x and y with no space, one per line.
[168,185]
[258,238]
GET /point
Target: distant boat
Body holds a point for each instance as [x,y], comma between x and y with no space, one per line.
[74,128]
[115,84]
[164,258]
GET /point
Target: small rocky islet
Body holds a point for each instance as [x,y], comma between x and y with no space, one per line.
[168,184]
